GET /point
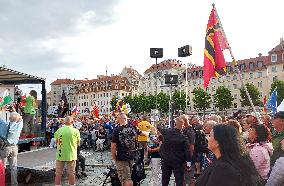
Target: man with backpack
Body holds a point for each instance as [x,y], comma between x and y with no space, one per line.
[124,148]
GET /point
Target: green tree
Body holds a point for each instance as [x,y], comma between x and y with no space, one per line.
[163,102]
[201,99]
[280,90]
[113,102]
[254,95]
[223,98]
[179,98]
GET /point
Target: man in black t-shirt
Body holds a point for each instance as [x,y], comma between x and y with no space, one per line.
[189,134]
[123,148]
[174,152]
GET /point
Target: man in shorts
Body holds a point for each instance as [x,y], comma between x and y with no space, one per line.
[124,147]
[67,140]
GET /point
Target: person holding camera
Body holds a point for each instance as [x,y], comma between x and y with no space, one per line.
[9,137]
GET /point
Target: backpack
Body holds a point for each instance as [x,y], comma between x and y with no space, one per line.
[138,171]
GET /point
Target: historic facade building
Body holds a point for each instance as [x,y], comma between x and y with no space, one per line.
[99,91]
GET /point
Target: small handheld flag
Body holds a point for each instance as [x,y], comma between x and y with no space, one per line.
[272,103]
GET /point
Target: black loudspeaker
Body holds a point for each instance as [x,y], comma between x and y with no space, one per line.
[171,79]
[156,52]
[185,51]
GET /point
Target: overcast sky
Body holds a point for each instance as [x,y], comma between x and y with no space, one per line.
[80,38]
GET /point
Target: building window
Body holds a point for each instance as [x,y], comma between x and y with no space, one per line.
[274,78]
[235,77]
[235,96]
[251,75]
[228,78]
[122,94]
[260,64]
[259,84]
[229,69]
[94,95]
[274,69]
[251,65]
[273,57]
[242,67]
[235,86]
[259,74]
[283,56]
[235,105]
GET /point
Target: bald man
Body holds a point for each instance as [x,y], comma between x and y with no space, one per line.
[174,153]
[67,140]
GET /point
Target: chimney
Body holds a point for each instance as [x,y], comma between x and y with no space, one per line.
[281,40]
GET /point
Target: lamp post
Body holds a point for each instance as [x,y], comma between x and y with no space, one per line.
[185,51]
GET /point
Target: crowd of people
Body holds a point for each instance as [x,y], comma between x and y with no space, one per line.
[241,150]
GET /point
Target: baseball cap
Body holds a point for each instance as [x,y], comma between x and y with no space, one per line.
[254,114]
[279,114]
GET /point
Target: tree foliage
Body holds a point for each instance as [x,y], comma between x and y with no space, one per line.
[254,95]
[223,98]
[280,90]
[201,99]
[179,100]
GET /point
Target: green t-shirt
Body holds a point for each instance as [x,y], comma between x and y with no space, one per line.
[68,138]
[29,108]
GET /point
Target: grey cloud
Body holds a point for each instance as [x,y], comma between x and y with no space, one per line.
[46,18]
[23,24]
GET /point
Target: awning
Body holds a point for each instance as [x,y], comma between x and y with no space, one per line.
[10,77]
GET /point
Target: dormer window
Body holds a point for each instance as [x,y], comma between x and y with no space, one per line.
[260,64]
[228,69]
[273,57]
[242,66]
[251,65]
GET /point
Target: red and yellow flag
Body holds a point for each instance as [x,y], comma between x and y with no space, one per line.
[215,43]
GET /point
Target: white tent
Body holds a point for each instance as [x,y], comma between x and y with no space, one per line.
[281,106]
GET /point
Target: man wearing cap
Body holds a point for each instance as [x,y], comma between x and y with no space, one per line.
[252,118]
[278,124]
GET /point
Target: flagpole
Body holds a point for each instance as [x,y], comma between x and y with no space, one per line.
[235,63]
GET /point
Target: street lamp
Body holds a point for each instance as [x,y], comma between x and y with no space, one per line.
[185,51]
